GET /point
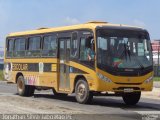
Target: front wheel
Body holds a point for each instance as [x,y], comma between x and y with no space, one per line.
[83,95]
[131,98]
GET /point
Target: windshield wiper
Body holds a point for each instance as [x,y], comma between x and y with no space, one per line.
[140,64]
[127,52]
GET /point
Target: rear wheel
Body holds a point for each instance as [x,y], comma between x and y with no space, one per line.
[131,98]
[22,89]
[83,95]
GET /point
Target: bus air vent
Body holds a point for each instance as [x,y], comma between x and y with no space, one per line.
[96,22]
[42,28]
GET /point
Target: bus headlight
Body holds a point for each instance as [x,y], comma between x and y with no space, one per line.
[102,77]
[149,80]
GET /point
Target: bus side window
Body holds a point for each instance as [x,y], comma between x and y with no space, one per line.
[74,45]
[68,49]
[19,49]
[10,46]
[34,47]
[49,46]
[104,53]
[87,51]
[82,49]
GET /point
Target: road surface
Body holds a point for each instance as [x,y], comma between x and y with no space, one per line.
[44,102]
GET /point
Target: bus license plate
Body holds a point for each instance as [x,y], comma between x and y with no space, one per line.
[128,89]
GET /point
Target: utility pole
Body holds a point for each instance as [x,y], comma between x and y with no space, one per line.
[158,59]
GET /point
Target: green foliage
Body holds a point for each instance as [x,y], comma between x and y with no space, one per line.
[1,75]
[156,79]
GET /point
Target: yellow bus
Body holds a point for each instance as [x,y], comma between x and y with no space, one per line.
[91,59]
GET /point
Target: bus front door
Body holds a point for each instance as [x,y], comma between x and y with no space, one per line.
[64,53]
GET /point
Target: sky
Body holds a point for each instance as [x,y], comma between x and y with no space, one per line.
[21,15]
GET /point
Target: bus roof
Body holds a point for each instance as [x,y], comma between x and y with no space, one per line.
[89,25]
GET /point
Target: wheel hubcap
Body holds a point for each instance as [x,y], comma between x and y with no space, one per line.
[81,91]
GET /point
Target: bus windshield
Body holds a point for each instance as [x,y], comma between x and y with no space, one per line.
[120,49]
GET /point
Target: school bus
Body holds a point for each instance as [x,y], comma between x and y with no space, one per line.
[58,59]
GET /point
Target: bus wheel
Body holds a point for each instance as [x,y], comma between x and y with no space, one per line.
[131,98]
[83,95]
[24,90]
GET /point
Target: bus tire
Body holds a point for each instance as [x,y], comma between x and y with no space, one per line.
[31,90]
[83,95]
[131,98]
[24,90]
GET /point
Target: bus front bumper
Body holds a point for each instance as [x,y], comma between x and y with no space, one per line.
[123,87]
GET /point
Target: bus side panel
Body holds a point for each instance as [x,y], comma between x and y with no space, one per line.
[37,72]
[43,79]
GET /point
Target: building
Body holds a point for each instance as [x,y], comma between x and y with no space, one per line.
[155,47]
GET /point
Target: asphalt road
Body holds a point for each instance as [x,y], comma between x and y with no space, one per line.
[100,108]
